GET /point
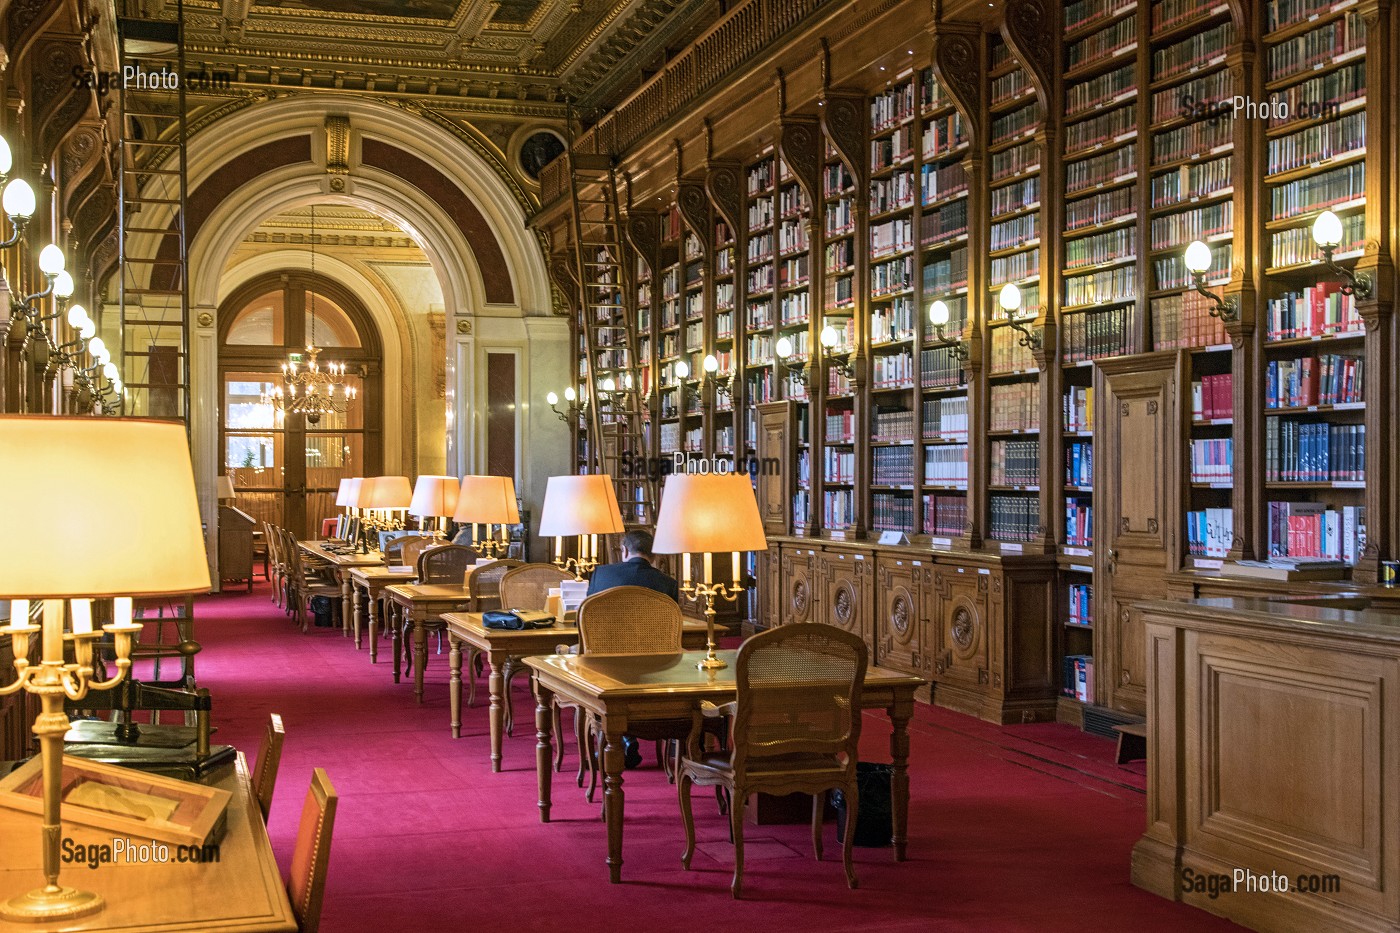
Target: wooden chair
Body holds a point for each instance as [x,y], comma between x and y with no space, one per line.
[486,595]
[626,620]
[306,884]
[269,757]
[525,587]
[795,729]
[272,535]
[414,546]
[305,583]
[444,564]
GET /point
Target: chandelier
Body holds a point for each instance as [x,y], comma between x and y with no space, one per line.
[309,386]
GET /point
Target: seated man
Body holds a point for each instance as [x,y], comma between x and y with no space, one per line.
[635,569]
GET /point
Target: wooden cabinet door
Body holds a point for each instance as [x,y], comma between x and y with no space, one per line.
[797,585]
[844,599]
[1137,481]
[962,634]
[900,633]
[769,590]
[777,457]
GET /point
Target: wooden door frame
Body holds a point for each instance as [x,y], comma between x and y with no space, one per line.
[367,361]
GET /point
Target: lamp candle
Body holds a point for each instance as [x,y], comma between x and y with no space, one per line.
[122,613]
[709,568]
[19,615]
[81,610]
[592,547]
[53,630]
[736,568]
[685,567]
[558,547]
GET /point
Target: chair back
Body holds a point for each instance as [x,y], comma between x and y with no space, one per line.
[306,885]
[798,691]
[629,620]
[270,538]
[445,564]
[415,545]
[527,586]
[269,757]
[486,584]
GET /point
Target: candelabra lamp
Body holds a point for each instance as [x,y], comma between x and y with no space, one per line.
[382,499]
[1010,301]
[1198,264]
[583,506]
[939,316]
[708,514]
[570,396]
[345,498]
[1327,234]
[434,497]
[141,536]
[485,501]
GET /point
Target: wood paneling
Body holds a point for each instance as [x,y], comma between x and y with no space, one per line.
[845,587]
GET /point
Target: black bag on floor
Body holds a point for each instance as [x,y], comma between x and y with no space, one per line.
[875,821]
[323,610]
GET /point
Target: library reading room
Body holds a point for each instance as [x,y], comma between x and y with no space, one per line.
[828,465]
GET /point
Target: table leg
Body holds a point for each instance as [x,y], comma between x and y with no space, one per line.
[544,751]
[494,684]
[900,713]
[613,729]
[346,610]
[373,627]
[393,613]
[359,607]
[420,655]
[454,665]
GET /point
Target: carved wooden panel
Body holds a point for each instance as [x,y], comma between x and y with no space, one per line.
[799,144]
[776,446]
[961,627]
[694,206]
[797,586]
[769,588]
[957,65]
[900,636]
[846,580]
[724,182]
[1029,27]
[845,117]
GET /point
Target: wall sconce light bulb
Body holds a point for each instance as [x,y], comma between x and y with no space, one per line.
[18,200]
[51,261]
[1197,258]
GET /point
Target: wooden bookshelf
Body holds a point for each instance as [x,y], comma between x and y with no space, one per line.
[1077,168]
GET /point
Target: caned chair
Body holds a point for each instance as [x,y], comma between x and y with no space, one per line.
[306,884]
[626,620]
[525,587]
[269,758]
[414,546]
[795,729]
[276,552]
[304,583]
[486,595]
[446,563]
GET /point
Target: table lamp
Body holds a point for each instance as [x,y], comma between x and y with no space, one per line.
[223,489]
[345,498]
[579,505]
[488,500]
[434,497]
[380,497]
[709,513]
[128,484]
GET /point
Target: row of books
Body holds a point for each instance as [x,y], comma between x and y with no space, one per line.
[892,236]
[942,135]
[1015,196]
[943,223]
[892,466]
[1329,379]
[792,200]
[1079,523]
[760,214]
[1317,310]
[945,418]
[1103,44]
[1192,181]
[1102,208]
[1313,451]
[1311,529]
[840,217]
[1185,320]
[1094,335]
[940,367]
[1015,462]
[1018,231]
[836,179]
[840,426]
[1086,95]
[1015,161]
[1007,353]
[1296,244]
[890,512]
[937,182]
[894,276]
[1316,143]
[838,508]
[1083,12]
[1078,408]
[1015,407]
[893,321]
[1015,268]
[945,515]
[1212,460]
[1108,127]
[760,177]
[892,193]
[891,425]
[1212,397]
[760,314]
[839,466]
[947,273]
[1194,51]
[1079,464]
[944,464]
[1017,123]
[1013,518]
[1081,604]
[1191,141]
[1315,192]
[1009,85]
[792,236]
[1078,673]
[1318,47]
[891,150]
[1210,532]
[1172,231]
[892,107]
[1193,100]
[1282,13]
[1329,90]
[1169,270]
[1109,246]
[1101,169]
[795,308]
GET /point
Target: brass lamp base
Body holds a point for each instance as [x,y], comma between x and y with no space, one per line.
[51,902]
[711,663]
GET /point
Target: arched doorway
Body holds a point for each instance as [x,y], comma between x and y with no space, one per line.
[285,470]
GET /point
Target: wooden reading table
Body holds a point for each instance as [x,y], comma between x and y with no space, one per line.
[242,892]
[413,605]
[341,565]
[500,645]
[623,690]
[373,581]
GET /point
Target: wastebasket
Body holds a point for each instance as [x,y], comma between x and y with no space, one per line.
[875,821]
[323,610]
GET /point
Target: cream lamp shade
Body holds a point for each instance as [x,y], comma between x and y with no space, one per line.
[384,492]
[223,488]
[488,500]
[349,489]
[434,496]
[107,507]
[580,505]
[708,513]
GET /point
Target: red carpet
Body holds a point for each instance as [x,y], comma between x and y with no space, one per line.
[1017,828]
